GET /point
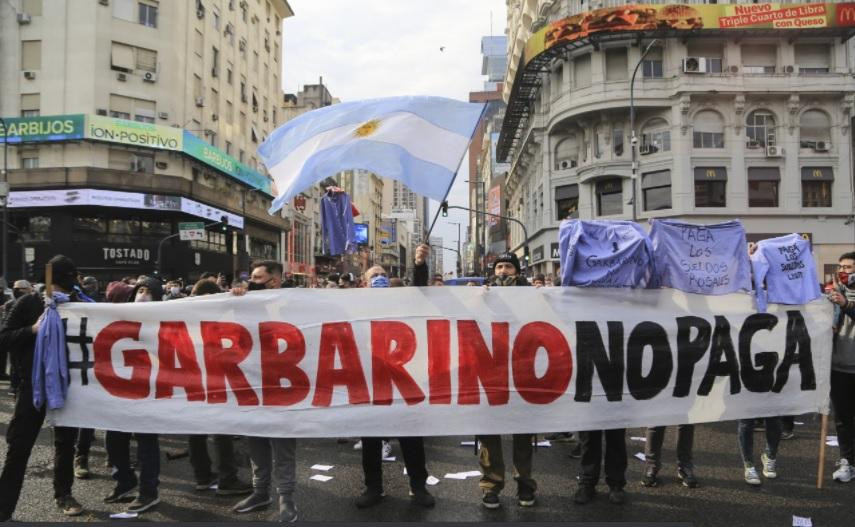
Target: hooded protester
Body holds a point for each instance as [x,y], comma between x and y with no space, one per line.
[506,272]
[19,289]
[18,336]
[147,289]
[118,292]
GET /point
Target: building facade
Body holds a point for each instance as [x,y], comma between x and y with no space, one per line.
[164,101]
[749,124]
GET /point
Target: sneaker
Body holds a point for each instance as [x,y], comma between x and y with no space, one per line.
[686,475]
[69,506]
[751,476]
[207,483]
[769,470]
[121,493]
[369,498]
[788,434]
[287,510]
[576,452]
[617,496]
[358,445]
[233,487]
[387,449]
[526,498]
[650,479]
[844,471]
[81,467]
[423,498]
[254,501]
[490,500]
[584,494]
[143,503]
[560,437]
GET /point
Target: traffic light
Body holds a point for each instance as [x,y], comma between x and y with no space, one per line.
[444,206]
[224,223]
[525,255]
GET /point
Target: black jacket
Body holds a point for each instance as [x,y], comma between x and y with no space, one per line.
[420,274]
[17,336]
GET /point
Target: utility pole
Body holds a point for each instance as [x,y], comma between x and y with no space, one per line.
[458,247]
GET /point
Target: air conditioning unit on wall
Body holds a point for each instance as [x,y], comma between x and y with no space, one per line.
[150,76]
[774,151]
[822,146]
[694,65]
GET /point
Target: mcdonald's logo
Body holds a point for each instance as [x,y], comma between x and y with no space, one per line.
[817,173]
[710,173]
[845,14]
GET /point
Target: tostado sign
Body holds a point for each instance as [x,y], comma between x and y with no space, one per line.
[451,361]
[126,255]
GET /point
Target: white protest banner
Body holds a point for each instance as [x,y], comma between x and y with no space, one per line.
[441,361]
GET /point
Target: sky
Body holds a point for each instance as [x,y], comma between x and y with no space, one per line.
[379,48]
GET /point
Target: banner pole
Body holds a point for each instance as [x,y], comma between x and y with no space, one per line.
[823,431]
[49,280]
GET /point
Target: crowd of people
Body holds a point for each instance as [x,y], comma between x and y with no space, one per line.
[273,460]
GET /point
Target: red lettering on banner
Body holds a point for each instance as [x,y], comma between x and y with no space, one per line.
[221,363]
[173,342]
[554,383]
[276,366]
[439,361]
[338,336]
[477,364]
[387,364]
[138,386]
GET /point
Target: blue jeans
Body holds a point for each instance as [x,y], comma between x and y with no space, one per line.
[746,438]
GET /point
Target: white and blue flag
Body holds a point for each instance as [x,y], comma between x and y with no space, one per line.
[420,141]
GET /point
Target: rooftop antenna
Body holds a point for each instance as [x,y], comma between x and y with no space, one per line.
[491,22]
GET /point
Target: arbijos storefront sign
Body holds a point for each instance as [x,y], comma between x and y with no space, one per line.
[39,129]
[134,133]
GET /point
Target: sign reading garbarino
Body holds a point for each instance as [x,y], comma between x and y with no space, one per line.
[133,133]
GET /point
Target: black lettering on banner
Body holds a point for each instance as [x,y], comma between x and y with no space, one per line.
[591,353]
[690,351]
[722,359]
[797,337]
[84,364]
[643,335]
[757,380]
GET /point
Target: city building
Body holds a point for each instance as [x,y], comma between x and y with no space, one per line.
[729,120]
[437,256]
[127,117]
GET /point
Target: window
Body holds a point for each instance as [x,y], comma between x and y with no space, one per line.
[582,71]
[32,7]
[566,153]
[813,59]
[146,59]
[29,159]
[87,225]
[142,162]
[37,229]
[814,127]
[763,186]
[758,59]
[215,62]
[710,52]
[126,10]
[652,66]
[229,74]
[656,190]
[816,186]
[242,89]
[556,80]
[617,141]
[228,148]
[760,129]
[616,65]
[30,104]
[600,134]
[215,19]
[215,242]
[262,249]
[31,55]
[655,137]
[122,57]
[230,109]
[609,197]
[708,130]
[198,46]
[156,229]
[123,231]
[141,110]
[254,61]
[566,202]
[197,87]
[148,14]
[241,156]
[710,187]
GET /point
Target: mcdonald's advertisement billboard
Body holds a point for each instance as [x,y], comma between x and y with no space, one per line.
[695,17]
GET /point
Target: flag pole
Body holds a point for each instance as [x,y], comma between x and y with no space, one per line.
[49,280]
[823,434]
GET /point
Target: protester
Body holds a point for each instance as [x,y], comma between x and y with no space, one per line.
[506,272]
[438,280]
[412,448]
[18,337]
[346,281]
[539,280]
[118,292]
[843,366]
[396,282]
[226,478]
[19,289]
[148,445]
[332,281]
[769,456]
[173,291]
[270,456]
[90,287]
[653,455]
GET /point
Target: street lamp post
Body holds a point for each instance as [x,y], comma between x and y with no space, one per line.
[518,222]
[458,246]
[4,200]
[633,140]
[478,223]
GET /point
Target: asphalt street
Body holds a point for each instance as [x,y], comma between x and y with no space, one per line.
[723,498]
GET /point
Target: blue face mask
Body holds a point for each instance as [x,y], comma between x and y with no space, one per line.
[379,281]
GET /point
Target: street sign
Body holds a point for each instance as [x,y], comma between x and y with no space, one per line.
[191,230]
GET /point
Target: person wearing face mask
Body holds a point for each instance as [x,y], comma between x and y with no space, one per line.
[89,285]
[19,289]
[843,366]
[412,448]
[147,289]
[274,459]
[506,272]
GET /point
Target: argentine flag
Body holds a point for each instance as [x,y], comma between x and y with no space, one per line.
[420,141]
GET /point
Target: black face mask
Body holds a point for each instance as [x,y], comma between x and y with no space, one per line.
[254,286]
[18,293]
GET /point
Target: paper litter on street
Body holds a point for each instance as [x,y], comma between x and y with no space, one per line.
[431,480]
[467,443]
[640,456]
[472,474]
[390,458]
[799,521]
[124,515]
[798,423]
[321,478]
[322,467]
[454,475]
[831,441]
[641,439]
[544,444]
